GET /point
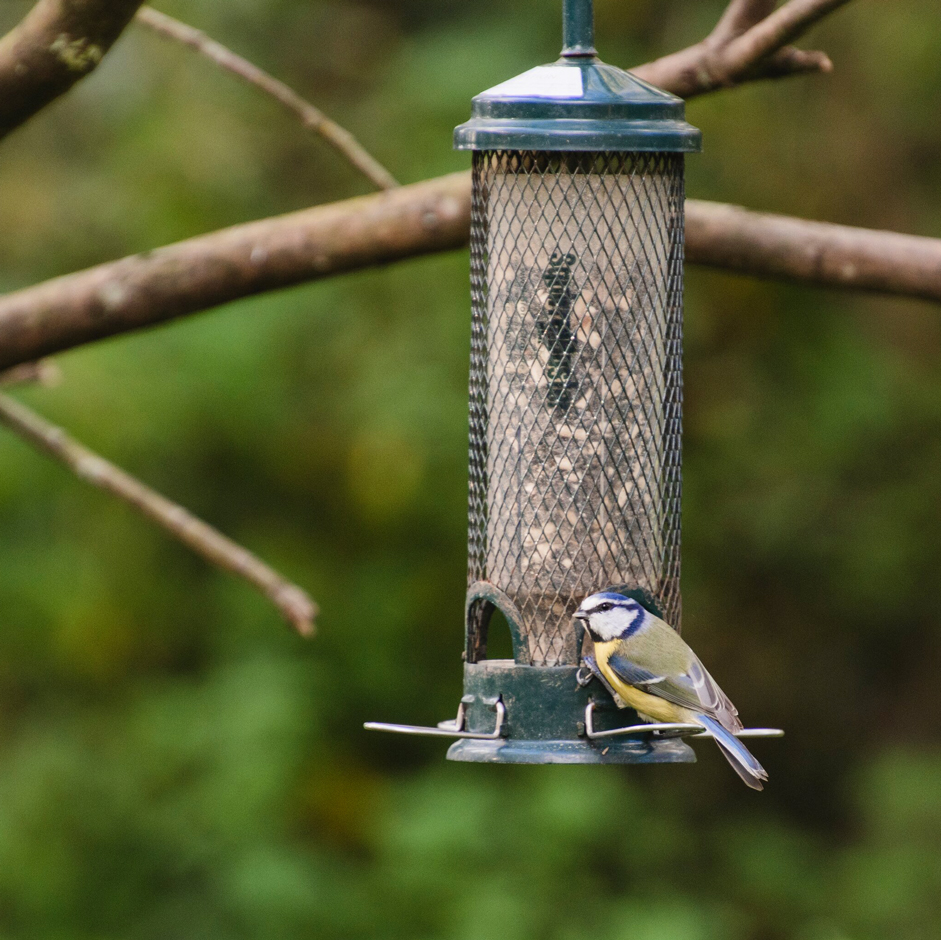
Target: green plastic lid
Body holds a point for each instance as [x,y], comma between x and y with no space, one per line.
[577,103]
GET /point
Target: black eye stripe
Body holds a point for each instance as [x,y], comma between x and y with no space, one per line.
[607,605]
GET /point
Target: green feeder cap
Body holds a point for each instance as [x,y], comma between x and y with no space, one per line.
[577,103]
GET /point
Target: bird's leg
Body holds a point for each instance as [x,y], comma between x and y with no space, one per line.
[589,670]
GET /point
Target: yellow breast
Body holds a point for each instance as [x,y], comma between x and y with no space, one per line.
[651,706]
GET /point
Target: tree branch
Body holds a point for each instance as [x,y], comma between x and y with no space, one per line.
[739,16]
[765,38]
[420,219]
[236,262]
[434,216]
[749,42]
[292,602]
[58,43]
[44,372]
[312,118]
[782,247]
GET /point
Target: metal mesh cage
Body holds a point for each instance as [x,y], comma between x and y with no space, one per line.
[575,385]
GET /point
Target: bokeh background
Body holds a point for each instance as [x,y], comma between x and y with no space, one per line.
[175,763]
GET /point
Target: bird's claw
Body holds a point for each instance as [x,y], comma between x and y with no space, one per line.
[587,671]
[584,676]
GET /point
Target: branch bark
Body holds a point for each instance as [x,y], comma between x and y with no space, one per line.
[778,246]
[235,262]
[424,218]
[740,16]
[219,550]
[312,118]
[58,43]
[44,372]
[750,41]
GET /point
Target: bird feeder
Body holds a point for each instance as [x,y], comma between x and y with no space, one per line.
[575,396]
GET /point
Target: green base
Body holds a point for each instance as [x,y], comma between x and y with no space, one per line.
[610,751]
[544,724]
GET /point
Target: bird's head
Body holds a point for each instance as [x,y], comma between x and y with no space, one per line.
[609,616]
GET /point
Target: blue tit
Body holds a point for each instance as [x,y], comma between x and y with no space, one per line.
[657,674]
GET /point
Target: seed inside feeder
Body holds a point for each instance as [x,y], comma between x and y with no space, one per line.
[581,388]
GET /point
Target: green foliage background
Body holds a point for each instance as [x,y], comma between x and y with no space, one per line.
[174,763]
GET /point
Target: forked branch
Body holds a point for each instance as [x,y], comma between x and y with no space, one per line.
[219,550]
[751,41]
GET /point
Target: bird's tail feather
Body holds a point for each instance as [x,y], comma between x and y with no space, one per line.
[741,759]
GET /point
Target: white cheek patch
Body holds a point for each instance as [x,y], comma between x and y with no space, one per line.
[610,623]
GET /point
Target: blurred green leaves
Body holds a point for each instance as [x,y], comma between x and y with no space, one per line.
[174,763]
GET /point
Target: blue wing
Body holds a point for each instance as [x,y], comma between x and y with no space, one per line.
[694,689]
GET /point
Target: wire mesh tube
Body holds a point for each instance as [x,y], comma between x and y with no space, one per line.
[576,394]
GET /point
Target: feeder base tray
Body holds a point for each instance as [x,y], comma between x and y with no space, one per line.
[544,708]
[502,751]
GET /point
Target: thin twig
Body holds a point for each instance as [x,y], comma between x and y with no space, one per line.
[292,602]
[312,118]
[739,16]
[43,372]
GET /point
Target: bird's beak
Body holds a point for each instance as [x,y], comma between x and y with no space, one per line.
[579,615]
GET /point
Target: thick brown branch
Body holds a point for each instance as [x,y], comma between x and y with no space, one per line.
[59,42]
[292,602]
[312,118]
[415,220]
[779,246]
[235,262]
[749,42]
